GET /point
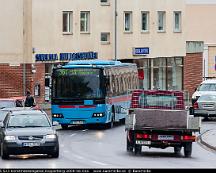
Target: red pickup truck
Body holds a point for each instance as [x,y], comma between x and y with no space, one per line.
[160,119]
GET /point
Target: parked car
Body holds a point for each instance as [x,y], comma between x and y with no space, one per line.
[12,102]
[206,87]
[205,106]
[28,132]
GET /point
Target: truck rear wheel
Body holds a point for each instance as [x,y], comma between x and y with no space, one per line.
[137,149]
[129,146]
[177,150]
[188,149]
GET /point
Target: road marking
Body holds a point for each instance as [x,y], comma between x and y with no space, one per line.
[99,163]
[84,130]
[73,134]
[77,156]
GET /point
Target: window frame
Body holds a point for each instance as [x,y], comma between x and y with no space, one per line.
[180,21]
[147,21]
[108,38]
[163,21]
[86,22]
[106,3]
[69,22]
[130,22]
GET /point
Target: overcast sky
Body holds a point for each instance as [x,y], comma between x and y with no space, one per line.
[201,1]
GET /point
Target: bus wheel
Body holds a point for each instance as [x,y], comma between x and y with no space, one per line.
[188,149]
[64,126]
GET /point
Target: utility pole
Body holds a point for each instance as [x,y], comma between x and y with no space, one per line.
[115,32]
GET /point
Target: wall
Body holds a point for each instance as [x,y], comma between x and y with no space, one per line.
[192,71]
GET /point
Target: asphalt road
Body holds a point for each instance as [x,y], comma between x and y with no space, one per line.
[95,148]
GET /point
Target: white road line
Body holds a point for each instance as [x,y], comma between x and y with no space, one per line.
[99,163]
[84,130]
[73,134]
[77,156]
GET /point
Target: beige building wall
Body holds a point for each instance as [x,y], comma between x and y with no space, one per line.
[201,23]
[47,27]
[11,31]
[48,36]
[161,44]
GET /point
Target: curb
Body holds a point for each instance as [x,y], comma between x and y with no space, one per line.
[205,143]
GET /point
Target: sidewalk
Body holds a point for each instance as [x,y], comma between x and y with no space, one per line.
[209,139]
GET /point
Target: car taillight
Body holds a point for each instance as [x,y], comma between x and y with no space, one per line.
[142,136]
[188,138]
[196,106]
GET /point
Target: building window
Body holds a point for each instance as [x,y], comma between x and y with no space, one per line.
[105,38]
[67,22]
[105,2]
[84,21]
[177,21]
[161,21]
[145,21]
[128,21]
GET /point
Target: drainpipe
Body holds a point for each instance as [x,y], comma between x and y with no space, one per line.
[115,32]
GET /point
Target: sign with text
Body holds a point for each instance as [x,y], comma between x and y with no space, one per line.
[66,56]
[140,51]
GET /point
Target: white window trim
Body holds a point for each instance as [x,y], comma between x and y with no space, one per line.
[105,3]
[70,21]
[131,22]
[88,23]
[180,22]
[145,12]
[164,22]
[105,42]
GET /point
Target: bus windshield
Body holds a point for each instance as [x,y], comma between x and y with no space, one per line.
[78,83]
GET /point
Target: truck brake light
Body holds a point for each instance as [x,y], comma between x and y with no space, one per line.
[188,138]
[142,136]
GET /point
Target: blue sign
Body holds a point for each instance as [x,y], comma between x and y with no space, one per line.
[66,56]
[140,50]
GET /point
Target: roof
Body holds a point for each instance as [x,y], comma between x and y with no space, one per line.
[27,111]
[210,81]
[96,63]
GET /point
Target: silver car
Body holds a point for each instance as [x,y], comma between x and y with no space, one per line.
[205,106]
[28,132]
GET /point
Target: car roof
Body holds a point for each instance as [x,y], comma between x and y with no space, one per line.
[28,112]
[7,99]
[209,81]
[16,109]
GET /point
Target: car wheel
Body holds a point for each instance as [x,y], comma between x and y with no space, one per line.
[55,153]
[4,153]
[64,126]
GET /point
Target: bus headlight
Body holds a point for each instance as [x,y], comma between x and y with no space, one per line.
[57,116]
[98,115]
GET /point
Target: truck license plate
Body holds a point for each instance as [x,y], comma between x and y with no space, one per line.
[140,142]
[166,137]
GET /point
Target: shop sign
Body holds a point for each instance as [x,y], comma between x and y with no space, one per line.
[140,51]
[66,56]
